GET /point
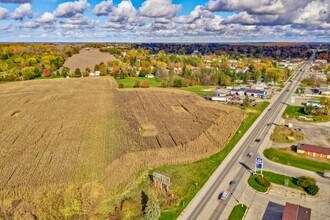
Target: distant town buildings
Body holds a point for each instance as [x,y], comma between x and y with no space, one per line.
[249,92]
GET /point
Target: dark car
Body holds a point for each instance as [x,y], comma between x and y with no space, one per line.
[258,140]
[288,90]
[232,183]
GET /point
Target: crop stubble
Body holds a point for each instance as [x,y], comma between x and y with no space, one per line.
[75,131]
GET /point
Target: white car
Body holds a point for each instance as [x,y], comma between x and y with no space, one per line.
[224,195]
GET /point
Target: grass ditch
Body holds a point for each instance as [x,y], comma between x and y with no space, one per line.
[238,212]
[300,161]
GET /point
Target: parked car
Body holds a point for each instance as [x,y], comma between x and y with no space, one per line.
[224,195]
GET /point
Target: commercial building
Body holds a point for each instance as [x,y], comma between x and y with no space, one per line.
[296,212]
[313,150]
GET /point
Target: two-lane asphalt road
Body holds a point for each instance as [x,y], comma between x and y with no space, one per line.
[206,204]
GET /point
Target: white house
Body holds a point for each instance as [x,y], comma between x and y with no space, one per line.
[96,73]
[150,76]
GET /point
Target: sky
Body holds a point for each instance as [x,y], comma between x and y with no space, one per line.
[165,21]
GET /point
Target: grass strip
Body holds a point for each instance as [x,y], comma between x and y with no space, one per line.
[238,212]
[298,161]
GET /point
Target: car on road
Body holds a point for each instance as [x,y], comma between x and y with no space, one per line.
[224,195]
[288,90]
[258,140]
[232,183]
[249,154]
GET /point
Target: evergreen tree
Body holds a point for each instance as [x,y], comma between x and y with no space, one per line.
[152,210]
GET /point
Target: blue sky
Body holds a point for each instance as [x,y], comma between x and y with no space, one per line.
[164,20]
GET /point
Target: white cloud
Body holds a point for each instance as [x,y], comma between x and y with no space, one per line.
[245,18]
[70,9]
[124,16]
[159,8]
[255,6]
[29,24]
[78,22]
[3,13]
[24,10]
[46,18]
[314,12]
[103,8]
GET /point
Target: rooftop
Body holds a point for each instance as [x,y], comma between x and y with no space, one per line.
[296,212]
[314,148]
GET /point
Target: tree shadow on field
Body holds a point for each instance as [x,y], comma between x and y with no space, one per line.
[144,200]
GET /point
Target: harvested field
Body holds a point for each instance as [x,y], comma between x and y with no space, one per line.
[87,58]
[78,138]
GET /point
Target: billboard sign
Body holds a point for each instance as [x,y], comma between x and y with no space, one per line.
[259,163]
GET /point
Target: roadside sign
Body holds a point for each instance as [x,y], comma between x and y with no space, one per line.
[259,163]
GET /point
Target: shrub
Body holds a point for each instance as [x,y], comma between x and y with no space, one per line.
[121,85]
[305,181]
[164,84]
[177,83]
[312,189]
[137,84]
[152,211]
[145,84]
[77,72]
[262,181]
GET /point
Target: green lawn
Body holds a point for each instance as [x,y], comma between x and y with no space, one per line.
[129,81]
[154,82]
[296,111]
[256,186]
[260,107]
[300,161]
[199,90]
[280,179]
[273,178]
[238,212]
[188,179]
